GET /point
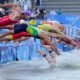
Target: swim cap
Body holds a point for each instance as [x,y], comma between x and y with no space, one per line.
[32,22]
[22,21]
[56,22]
[27,13]
[61,27]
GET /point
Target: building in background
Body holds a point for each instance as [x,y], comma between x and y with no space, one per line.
[71,7]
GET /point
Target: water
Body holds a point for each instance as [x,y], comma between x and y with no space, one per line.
[67,68]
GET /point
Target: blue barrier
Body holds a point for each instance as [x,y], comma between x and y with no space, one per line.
[64,19]
[27,50]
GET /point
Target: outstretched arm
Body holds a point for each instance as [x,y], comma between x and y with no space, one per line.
[8,5]
[55,35]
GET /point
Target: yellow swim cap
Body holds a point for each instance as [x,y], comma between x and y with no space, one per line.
[32,22]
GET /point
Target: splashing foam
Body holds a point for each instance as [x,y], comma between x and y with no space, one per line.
[71,58]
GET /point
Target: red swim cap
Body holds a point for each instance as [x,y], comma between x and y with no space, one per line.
[61,27]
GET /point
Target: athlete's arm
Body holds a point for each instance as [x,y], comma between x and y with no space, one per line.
[8,5]
[55,35]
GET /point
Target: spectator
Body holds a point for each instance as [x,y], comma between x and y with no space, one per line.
[42,13]
[39,12]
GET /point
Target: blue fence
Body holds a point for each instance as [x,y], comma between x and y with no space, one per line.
[27,50]
[65,19]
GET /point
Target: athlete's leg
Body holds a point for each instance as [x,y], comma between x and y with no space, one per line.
[21,39]
[50,50]
[9,27]
[46,39]
[45,56]
[10,37]
[6,38]
[7,33]
[48,47]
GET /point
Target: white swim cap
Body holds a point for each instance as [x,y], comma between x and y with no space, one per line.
[55,22]
[22,21]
